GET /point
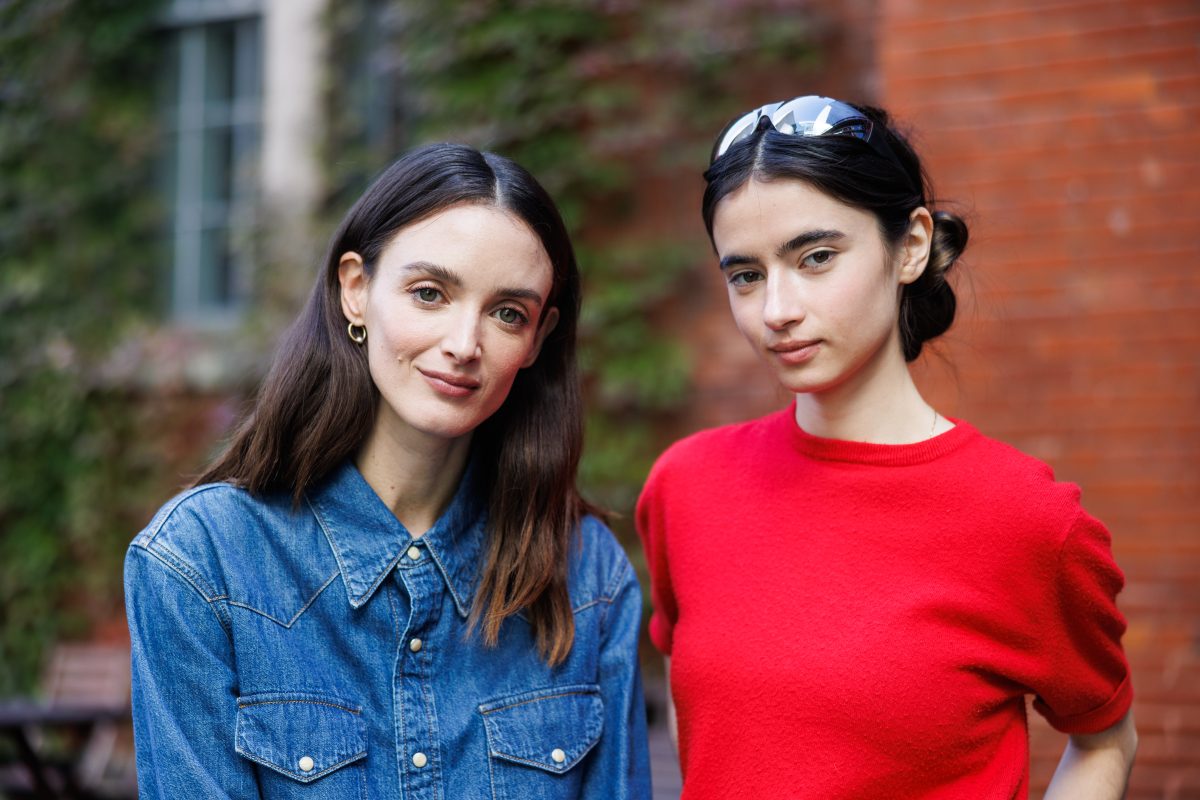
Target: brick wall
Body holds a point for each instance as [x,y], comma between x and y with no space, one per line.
[1067,131]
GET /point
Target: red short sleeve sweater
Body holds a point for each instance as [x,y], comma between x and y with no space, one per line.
[851,620]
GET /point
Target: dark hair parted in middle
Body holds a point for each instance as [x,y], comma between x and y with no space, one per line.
[318,403]
[850,171]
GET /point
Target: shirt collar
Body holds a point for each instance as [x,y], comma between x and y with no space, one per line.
[368,541]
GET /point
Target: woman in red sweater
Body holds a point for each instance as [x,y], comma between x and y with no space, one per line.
[856,594]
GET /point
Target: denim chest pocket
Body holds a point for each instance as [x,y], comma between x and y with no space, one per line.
[537,740]
[312,746]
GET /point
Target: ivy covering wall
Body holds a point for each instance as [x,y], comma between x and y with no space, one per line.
[78,227]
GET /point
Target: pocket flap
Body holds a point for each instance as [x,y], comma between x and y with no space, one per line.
[552,729]
[302,736]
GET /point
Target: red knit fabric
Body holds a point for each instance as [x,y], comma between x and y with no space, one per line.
[850,620]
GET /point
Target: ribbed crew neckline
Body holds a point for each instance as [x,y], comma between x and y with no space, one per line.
[884,455]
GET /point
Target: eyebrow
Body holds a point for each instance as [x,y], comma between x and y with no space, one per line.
[795,243]
[454,279]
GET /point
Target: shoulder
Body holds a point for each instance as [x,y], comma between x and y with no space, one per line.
[211,532]
[1017,470]
[1002,477]
[600,568]
[716,449]
[209,515]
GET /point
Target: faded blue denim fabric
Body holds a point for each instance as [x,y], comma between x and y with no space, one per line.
[323,652]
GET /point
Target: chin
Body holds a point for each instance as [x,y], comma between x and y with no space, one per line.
[812,383]
[451,423]
[444,428]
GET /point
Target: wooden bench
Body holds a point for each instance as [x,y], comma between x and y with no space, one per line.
[73,741]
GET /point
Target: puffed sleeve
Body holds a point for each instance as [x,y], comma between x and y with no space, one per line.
[652,528]
[184,686]
[620,768]
[1084,686]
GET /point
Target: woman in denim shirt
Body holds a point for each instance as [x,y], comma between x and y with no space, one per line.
[388,586]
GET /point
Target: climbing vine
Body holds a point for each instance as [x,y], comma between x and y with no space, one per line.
[77,223]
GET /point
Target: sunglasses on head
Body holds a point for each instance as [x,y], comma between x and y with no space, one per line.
[811,115]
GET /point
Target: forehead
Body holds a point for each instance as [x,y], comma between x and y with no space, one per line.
[475,240]
[764,214]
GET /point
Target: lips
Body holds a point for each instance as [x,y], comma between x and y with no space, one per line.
[450,384]
[796,352]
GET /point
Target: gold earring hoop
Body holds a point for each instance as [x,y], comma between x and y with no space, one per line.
[357,336]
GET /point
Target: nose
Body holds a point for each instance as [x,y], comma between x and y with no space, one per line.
[783,305]
[461,339]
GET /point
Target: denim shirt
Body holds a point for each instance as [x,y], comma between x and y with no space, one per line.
[324,652]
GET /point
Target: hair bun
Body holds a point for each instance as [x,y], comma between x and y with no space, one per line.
[949,241]
[928,304]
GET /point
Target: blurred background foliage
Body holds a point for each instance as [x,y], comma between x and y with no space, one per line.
[606,101]
[79,223]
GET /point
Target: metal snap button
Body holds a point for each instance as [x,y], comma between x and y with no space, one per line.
[415,645]
[419,760]
[306,764]
[558,755]
[414,553]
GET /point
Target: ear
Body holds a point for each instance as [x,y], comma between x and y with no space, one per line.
[352,275]
[914,252]
[548,323]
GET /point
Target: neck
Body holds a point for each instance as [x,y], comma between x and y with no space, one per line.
[879,404]
[414,474]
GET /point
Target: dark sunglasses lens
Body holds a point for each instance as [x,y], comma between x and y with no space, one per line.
[858,128]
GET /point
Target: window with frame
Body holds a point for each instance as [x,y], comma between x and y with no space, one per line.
[212,104]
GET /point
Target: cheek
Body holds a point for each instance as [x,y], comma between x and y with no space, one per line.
[507,355]
[391,343]
[747,316]
[867,304]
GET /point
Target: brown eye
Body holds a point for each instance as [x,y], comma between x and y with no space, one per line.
[742,279]
[820,258]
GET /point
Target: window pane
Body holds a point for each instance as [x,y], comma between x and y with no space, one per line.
[218,169]
[218,62]
[247,81]
[216,269]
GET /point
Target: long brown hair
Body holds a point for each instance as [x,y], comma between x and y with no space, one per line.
[318,402]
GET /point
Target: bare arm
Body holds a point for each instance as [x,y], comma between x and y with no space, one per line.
[672,723]
[1096,765]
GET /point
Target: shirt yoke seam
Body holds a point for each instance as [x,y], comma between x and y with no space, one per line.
[184,574]
[176,562]
[297,615]
[619,577]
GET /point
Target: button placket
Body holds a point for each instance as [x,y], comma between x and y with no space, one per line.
[416,717]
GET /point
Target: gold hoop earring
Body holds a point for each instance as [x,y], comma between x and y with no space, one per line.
[357,336]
